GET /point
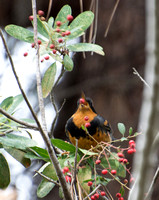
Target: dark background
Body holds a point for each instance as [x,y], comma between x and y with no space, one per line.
[109,79]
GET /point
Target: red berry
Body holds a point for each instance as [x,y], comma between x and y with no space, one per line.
[33,45]
[39,42]
[121,198]
[67,32]
[121,159]
[118,195]
[104,171]
[98,162]
[87,124]
[121,155]
[86,118]
[89,183]
[25,54]
[58,23]
[69,18]
[60,40]
[52,46]
[131,142]
[130,151]
[40,12]
[113,171]
[31,17]
[47,57]
[125,161]
[82,101]
[96,195]
[58,30]
[132,145]
[125,181]
[93,197]
[63,34]
[54,51]
[68,179]
[42,60]
[102,193]
[66,169]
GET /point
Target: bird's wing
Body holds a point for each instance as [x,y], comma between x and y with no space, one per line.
[103,124]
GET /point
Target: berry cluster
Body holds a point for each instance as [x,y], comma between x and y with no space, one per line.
[132,146]
[55,45]
[65,171]
[118,195]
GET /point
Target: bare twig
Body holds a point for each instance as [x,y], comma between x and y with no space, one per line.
[47,178]
[64,185]
[38,73]
[136,73]
[27,125]
[90,194]
[49,9]
[152,184]
[111,18]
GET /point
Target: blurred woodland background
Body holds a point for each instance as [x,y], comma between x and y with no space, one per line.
[108,80]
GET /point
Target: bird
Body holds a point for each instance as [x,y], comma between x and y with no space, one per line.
[87,126]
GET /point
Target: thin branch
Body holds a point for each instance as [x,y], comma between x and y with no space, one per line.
[136,73]
[47,178]
[111,18]
[28,125]
[90,194]
[49,9]
[38,73]
[152,184]
[64,185]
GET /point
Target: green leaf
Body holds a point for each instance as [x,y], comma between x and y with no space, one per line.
[63,145]
[44,188]
[81,47]
[130,131]
[6,103]
[62,16]
[121,128]
[42,28]
[80,24]
[4,172]
[122,191]
[87,152]
[103,181]
[68,63]
[16,101]
[40,151]
[50,22]
[48,80]
[20,33]
[19,142]
[19,156]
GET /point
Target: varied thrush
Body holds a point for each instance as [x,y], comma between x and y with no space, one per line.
[87,126]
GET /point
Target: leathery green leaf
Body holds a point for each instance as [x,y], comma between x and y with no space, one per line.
[48,80]
[4,172]
[62,16]
[80,24]
[19,155]
[68,63]
[80,47]
[20,33]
